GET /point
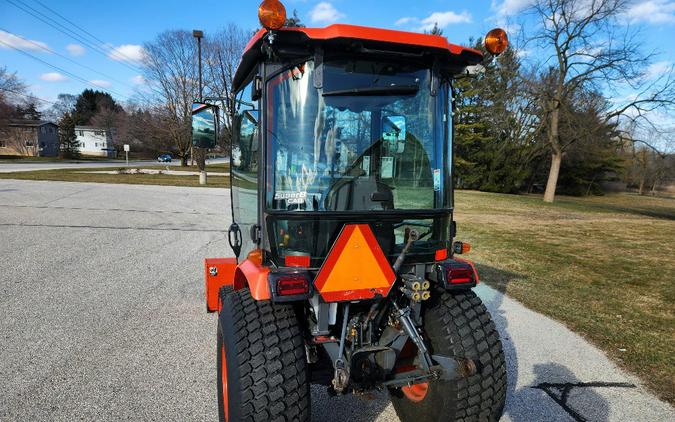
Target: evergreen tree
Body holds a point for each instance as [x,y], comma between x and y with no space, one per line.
[435,30]
[70,147]
[28,111]
[494,150]
[90,102]
[294,21]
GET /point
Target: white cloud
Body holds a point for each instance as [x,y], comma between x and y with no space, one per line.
[101,83]
[657,69]
[405,20]
[510,7]
[75,49]
[127,53]
[443,19]
[138,80]
[652,11]
[523,53]
[325,13]
[53,77]
[8,40]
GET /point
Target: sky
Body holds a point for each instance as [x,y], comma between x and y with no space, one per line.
[97,44]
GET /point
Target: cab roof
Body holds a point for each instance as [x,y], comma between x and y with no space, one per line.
[349,37]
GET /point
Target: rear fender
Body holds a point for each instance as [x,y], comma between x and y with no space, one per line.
[254,276]
[221,272]
[218,272]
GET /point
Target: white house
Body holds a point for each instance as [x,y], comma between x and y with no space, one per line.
[95,141]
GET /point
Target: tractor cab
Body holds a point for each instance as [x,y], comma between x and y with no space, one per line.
[343,124]
[341,187]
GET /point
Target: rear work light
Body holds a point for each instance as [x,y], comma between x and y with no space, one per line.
[290,285]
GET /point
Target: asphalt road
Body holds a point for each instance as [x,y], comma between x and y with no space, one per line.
[10,167]
[102,318]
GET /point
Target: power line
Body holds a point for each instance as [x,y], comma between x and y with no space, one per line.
[49,50]
[64,30]
[63,70]
[23,94]
[94,37]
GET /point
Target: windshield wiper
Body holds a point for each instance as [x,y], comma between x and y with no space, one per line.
[375,90]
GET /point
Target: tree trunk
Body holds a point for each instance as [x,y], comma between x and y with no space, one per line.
[641,189]
[549,194]
[183,160]
[556,154]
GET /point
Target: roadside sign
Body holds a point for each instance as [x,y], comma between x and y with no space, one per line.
[126,153]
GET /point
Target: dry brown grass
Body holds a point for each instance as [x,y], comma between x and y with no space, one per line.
[605,266]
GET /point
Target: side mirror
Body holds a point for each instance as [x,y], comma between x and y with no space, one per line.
[204,125]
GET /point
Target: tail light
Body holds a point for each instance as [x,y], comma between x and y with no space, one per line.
[460,274]
[455,274]
[290,285]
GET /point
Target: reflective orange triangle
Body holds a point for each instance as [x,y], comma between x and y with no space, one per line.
[360,263]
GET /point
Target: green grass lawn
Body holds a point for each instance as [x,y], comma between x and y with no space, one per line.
[77,175]
[605,266]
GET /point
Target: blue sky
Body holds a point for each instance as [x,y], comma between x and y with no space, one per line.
[121,27]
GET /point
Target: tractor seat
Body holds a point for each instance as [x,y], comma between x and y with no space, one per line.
[359,194]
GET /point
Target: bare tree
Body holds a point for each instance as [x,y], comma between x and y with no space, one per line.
[65,103]
[223,52]
[22,139]
[170,67]
[11,87]
[591,48]
[12,91]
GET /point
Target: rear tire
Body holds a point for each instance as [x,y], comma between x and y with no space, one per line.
[458,325]
[262,368]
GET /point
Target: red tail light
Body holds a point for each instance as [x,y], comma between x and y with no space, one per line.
[292,285]
[460,275]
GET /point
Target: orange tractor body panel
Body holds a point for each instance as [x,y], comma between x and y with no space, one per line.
[219,272]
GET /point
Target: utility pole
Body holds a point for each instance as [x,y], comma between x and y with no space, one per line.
[199,35]
[201,159]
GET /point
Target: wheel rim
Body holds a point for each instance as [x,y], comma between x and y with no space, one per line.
[223,376]
[416,392]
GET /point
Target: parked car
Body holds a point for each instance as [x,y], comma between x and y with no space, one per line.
[165,158]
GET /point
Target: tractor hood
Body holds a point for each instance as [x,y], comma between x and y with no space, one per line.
[298,42]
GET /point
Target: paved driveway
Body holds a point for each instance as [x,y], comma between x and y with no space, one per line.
[102,318]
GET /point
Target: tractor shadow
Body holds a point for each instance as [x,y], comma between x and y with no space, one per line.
[555,393]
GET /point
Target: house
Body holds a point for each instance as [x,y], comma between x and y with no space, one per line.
[95,141]
[30,138]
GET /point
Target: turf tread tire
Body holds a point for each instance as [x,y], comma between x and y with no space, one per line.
[266,363]
[460,326]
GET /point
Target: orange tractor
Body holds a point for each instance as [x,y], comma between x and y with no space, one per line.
[346,273]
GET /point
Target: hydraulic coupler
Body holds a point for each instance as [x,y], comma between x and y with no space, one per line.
[415,288]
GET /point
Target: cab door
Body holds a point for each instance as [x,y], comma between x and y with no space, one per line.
[244,161]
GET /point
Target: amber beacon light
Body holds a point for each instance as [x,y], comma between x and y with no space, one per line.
[272,14]
[496,41]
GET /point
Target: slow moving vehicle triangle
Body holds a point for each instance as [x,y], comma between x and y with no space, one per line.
[355,268]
